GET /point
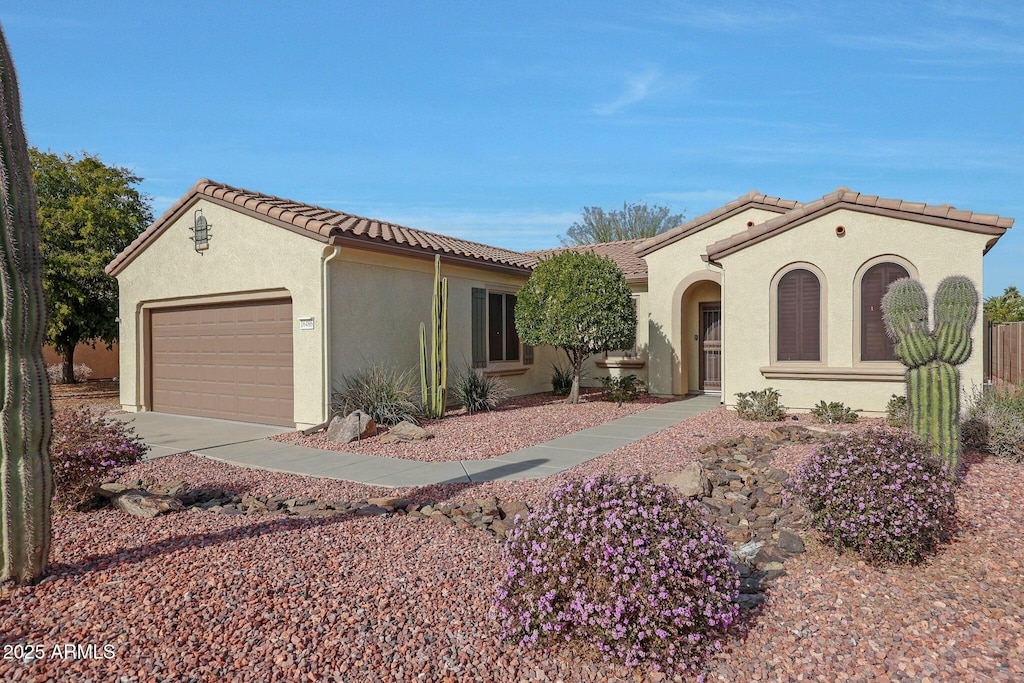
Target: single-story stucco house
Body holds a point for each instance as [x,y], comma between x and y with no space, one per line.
[240,305]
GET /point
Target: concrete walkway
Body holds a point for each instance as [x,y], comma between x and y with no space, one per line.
[246,444]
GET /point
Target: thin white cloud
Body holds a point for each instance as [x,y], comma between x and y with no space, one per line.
[637,88]
[753,18]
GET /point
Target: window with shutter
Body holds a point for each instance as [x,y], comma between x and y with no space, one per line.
[799,316]
[874,342]
[502,337]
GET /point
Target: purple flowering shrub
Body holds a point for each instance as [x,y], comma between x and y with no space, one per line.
[623,565]
[881,494]
[85,449]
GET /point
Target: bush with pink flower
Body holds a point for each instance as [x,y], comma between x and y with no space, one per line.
[881,494]
[624,566]
[86,449]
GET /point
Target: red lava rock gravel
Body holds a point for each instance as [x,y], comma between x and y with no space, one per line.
[199,596]
[518,423]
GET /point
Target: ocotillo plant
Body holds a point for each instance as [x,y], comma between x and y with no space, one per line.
[931,356]
[435,391]
[26,479]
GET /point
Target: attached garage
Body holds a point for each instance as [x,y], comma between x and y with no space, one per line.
[231,361]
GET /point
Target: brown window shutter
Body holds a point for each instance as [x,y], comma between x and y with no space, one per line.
[478,327]
[799,316]
[874,342]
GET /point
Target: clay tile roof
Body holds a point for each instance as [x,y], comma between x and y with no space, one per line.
[622,252]
[752,199]
[943,215]
[321,223]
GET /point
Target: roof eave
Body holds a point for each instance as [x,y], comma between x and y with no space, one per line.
[642,251]
[729,246]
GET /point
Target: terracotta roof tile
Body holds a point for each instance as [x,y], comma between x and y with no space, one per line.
[622,252]
[943,214]
[325,223]
[751,199]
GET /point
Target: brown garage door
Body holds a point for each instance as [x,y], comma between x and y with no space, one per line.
[232,361]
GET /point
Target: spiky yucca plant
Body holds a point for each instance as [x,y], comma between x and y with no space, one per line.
[931,356]
[26,478]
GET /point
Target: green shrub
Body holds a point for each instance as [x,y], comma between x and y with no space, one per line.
[86,449]
[834,413]
[994,423]
[621,389]
[896,411]
[760,406]
[381,391]
[474,391]
[880,494]
[622,566]
[561,380]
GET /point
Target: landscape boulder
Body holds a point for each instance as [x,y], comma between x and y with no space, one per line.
[406,431]
[355,425]
[691,482]
[142,503]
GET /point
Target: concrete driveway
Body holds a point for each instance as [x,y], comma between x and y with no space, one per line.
[169,434]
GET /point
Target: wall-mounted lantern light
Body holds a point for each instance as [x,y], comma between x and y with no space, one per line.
[200,232]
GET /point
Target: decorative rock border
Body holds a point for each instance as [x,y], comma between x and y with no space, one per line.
[148,499]
[746,498]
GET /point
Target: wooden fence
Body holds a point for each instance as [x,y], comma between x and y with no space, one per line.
[1004,352]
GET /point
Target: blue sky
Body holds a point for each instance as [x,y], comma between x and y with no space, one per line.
[499,121]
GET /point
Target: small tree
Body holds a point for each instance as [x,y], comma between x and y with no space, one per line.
[1008,307]
[88,213]
[635,221]
[580,303]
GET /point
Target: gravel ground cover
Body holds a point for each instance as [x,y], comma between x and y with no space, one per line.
[99,394]
[207,597]
[518,423]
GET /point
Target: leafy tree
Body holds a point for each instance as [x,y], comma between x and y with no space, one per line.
[1008,307]
[580,303]
[88,213]
[635,221]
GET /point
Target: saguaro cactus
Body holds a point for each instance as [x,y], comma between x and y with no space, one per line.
[931,356]
[435,391]
[26,481]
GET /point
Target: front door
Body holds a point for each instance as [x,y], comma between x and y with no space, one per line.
[710,349]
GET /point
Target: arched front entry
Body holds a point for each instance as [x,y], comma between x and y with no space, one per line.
[701,336]
[695,336]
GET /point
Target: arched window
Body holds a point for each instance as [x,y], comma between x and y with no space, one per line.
[874,342]
[799,316]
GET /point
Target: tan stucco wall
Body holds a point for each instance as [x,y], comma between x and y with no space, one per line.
[378,301]
[246,258]
[930,252]
[671,271]
[591,367]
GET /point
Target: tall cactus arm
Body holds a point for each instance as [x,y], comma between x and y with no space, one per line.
[424,388]
[26,481]
[905,308]
[956,308]
[956,301]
